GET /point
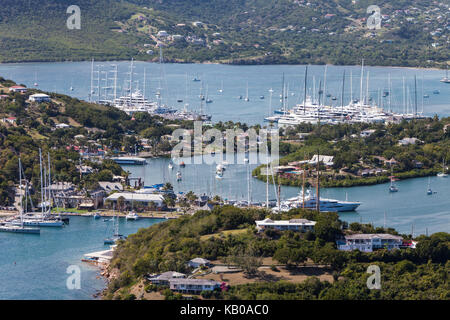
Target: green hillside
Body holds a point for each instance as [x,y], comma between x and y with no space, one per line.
[413,32]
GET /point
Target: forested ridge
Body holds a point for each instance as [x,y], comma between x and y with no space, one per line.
[413,32]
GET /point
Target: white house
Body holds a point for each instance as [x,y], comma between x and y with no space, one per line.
[407,141]
[199,262]
[367,133]
[164,278]
[62,126]
[39,97]
[301,225]
[20,89]
[10,120]
[193,285]
[144,198]
[369,242]
[162,34]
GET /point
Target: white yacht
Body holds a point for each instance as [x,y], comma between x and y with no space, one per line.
[326,205]
[132,216]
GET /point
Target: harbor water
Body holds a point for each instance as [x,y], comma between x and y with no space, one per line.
[174,82]
[34,266]
[410,208]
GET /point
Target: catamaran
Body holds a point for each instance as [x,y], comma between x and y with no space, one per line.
[132,216]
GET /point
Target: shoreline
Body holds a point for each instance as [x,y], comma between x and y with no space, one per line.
[224,64]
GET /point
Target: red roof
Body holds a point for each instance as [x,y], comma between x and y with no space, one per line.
[17,87]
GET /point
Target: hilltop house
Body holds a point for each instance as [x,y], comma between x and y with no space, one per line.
[301,225]
[370,242]
[20,89]
[408,141]
[39,97]
[164,278]
[199,262]
[193,285]
[10,120]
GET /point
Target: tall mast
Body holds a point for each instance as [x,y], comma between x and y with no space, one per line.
[415,96]
[49,181]
[318,183]
[404,96]
[92,81]
[131,79]
[115,83]
[20,196]
[351,86]
[361,84]
[367,88]
[390,93]
[343,90]
[42,193]
[144,85]
[304,93]
[325,85]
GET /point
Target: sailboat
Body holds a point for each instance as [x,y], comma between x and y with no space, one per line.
[208,100]
[392,187]
[221,88]
[116,236]
[170,165]
[35,80]
[246,95]
[42,219]
[429,191]
[446,79]
[20,228]
[443,174]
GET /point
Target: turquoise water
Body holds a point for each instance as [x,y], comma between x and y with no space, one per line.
[34,267]
[410,206]
[59,77]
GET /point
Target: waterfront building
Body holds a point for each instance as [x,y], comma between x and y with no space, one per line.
[143,198]
[301,225]
[370,242]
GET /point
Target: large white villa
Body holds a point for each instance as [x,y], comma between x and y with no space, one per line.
[301,225]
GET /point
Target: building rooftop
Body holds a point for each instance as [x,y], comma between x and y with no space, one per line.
[292,222]
[143,197]
[373,236]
